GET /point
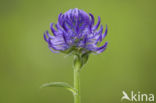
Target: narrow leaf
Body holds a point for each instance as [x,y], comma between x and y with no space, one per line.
[60,84]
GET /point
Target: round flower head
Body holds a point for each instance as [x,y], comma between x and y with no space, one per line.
[76,33]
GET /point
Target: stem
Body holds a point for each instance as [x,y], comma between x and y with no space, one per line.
[77,82]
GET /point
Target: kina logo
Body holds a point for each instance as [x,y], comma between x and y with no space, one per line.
[137,96]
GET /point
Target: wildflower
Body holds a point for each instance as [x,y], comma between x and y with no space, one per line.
[76,33]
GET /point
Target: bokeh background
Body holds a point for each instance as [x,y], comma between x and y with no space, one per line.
[129,63]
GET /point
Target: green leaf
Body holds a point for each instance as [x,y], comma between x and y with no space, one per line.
[85,58]
[77,62]
[60,84]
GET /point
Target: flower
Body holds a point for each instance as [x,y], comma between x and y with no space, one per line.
[76,32]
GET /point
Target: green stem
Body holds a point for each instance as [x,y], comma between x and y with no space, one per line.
[77,81]
[77,85]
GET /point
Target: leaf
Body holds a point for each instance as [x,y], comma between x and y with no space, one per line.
[60,84]
[85,58]
[77,62]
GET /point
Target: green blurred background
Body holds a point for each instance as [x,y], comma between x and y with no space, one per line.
[129,63]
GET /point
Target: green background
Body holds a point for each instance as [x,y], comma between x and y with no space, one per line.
[129,63]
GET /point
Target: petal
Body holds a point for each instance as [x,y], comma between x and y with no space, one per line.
[45,38]
[51,37]
[59,29]
[100,30]
[75,13]
[91,22]
[51,49]
[98,23]
[65,38]
[52,29]
[57,45]
[100,33]
[103,36]
[85,39]
[84,16]
[91,47]
[60,19]
[92,19]
[65,27]
[68,13]
[102,48]
[57,40]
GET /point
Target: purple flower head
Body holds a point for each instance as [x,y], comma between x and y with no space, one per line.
[76,32]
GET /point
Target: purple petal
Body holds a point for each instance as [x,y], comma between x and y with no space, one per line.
[100,33]
[100,30]
[102,48]
[98,23]
[91,47]
[51,37]
[45,38]
[60,19]
[92,19]
[85,39]
[62,47]
[51,47]
[64,37]
[60,30]
[52,29]
[52,50]
[57,45]
[64,27]
[84,16]
[75,13]
[77,25]
[103,36]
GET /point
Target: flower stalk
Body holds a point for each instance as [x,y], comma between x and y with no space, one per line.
[77,67]
[77,85]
